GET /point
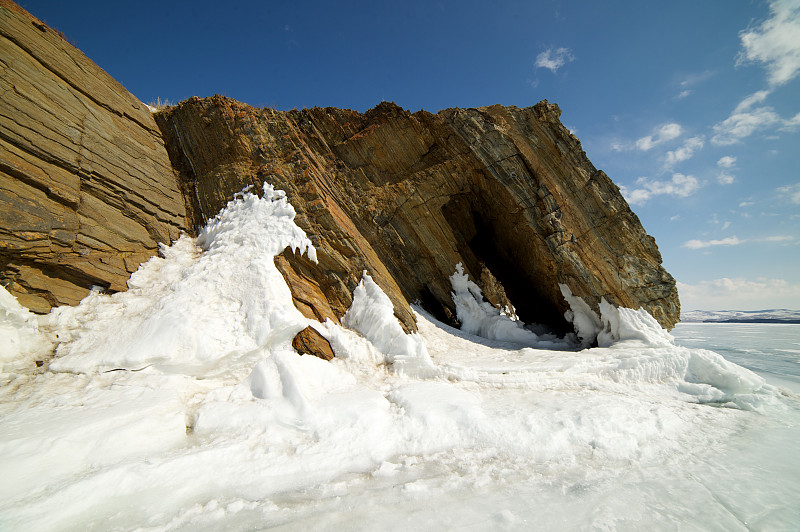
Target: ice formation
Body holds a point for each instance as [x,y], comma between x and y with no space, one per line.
[481,318]
[20,338]
[180,405]
[372,314]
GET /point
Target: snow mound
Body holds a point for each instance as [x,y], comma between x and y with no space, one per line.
[372,315]
[614,325]
[20,338]
[205,308]
[586,322]
[627,325]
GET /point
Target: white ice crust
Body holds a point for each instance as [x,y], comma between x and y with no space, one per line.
[372,314]
[207,307]
[20,338]
[223,426]
[614,325]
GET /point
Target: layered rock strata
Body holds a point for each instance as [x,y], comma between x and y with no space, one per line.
[90,184]
[508,192]
[87,191]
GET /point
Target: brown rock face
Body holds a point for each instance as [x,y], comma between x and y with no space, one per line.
[86,188]
[90,184]
[508,192]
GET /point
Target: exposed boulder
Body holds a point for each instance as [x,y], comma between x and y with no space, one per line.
[87,191]
[310,342]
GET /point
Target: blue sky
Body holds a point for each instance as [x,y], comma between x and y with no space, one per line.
[692,108]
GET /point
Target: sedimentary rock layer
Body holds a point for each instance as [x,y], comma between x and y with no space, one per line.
[86,188]
[508,192]
[90,184]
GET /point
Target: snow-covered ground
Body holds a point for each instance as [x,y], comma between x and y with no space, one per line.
[180,404]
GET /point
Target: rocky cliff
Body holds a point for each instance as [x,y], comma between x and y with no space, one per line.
[508,192]
[86,188]
[90,184]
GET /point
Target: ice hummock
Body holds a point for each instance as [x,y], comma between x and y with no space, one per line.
[180,405]
[372,314]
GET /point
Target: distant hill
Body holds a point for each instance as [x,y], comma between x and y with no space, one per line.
[742,316]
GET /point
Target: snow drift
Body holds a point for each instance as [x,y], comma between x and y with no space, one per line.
[180,405]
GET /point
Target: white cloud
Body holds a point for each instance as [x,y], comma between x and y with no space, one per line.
[775,42]
[779,238]
[739,294]
[746,204]
[793,191]
[734,241]
[617,146]
[695,79]
[747,119]
[680,185]
[554,58]
[683,94]
[685,152]
[726,162]
[665,133]
[700,244]
[750,101]
[792,123]
[744,121]
[726,225]
[725,179]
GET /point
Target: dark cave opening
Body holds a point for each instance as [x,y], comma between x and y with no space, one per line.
[503,242]
[523,285]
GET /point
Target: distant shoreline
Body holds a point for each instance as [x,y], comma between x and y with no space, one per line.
[746,320]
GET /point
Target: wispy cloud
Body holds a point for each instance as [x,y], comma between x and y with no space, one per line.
[775,42]
[695,79]
[554,58]
[680,186]
[747,119]
[726,162]
[664,133]
[792,123]
[735,241]
[779,238]
[792,191]
[739,294]
[725,179]
[750,101]
[685,152]
[700,244]
[690,81]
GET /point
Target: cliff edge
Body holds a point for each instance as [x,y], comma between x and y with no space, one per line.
[507,192]
[87,191]
[91,182]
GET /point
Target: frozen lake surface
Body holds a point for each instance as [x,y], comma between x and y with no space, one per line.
[180,405]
